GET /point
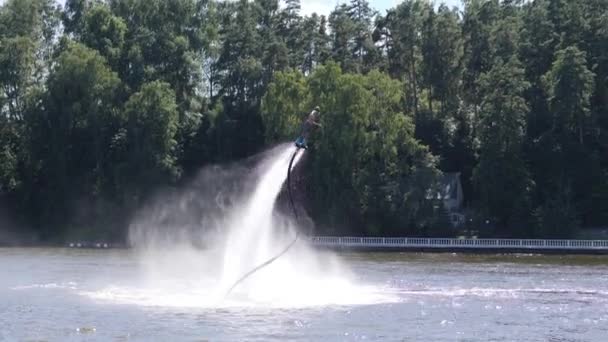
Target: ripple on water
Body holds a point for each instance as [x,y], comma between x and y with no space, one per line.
[67,285]
[581,295]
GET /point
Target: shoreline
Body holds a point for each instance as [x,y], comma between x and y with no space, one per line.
[403,245]
[454,245]
[471,251]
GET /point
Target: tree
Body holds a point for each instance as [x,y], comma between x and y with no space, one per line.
[27,39]
[502,178]
[241,69]
[73,16]
[441,49]
[569,20]
[36,19]
[425,50]
[284,105]
[342,37]
[479,16]
[315,43]
[403,25]
[381,174]
[104,32]
[17,64]
[363,49]
[9,177]
[505,35]
[563,157]
[538,41]
[557,217]
[274,54]
[164,41]
[293,33]
[72,129]
[27,32]
[152,123]
[322,42]
[570,86]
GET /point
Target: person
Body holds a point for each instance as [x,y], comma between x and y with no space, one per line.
[311,122]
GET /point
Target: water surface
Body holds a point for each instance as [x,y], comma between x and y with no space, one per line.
[101,295]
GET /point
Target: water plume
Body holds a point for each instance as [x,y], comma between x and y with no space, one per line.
[195,243]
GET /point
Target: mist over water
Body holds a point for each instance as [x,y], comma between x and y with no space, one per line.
[192,246]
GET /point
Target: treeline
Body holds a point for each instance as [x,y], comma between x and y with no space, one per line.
[102,102]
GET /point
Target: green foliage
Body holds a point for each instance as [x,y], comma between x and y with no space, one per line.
[366,162]
[27,29]
[501,169]
[36,19]
[478,20]
[70,130]
[152,121]
[569,86]
[73,15]
[557,218]
[442,49]
[403,25]
[9,178]
[80,115]
[538,41]
[163,41]
[284,105]
[17,58]
[104,32]
[353,46]
[101,101]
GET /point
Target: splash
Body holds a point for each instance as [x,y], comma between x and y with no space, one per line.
[192,246]
[251,241]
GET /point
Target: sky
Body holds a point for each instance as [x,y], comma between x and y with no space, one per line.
[325,6]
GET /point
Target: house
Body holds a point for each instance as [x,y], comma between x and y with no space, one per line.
[450,192]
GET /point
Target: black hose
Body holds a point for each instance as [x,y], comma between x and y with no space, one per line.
[284,251]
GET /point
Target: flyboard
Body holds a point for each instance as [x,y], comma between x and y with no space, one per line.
[293,242]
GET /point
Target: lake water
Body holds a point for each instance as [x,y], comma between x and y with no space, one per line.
[104,295]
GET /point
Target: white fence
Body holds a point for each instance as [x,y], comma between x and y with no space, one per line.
[435,243]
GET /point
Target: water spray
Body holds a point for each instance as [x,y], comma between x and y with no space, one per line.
[293,242]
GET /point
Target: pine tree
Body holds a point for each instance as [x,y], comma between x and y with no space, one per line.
[402,26]
[343,31]
[478,20]
[292,32]
[538,42]
[442,51]
[501,169]
[363,49]
[570,86]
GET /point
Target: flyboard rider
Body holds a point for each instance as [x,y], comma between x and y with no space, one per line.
[311,122]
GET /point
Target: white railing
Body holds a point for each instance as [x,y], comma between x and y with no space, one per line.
[532,244]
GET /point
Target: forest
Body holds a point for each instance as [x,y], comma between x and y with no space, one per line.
[103,102]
